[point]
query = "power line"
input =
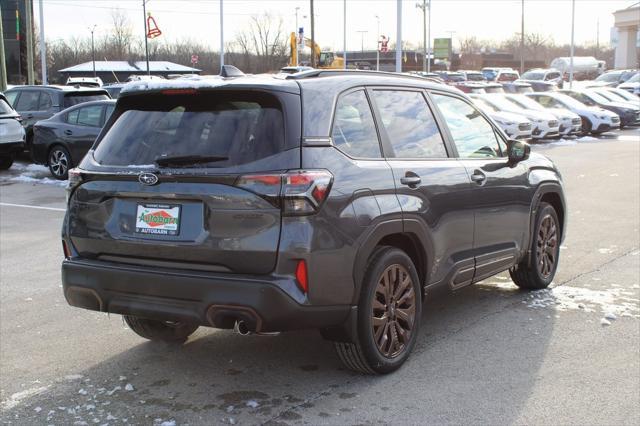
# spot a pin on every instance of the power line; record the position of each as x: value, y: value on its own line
x: 186, y: 12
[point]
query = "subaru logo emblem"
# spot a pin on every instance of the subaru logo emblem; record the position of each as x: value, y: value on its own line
x: 147, y: 178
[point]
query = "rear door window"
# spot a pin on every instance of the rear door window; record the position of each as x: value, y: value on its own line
x: 409, y: 123
x: 45, y: 102
x: 354, y: 131
x: 472, y: 134
x: 90, y: 116
x: 28, y: 101
x: 235, y: 128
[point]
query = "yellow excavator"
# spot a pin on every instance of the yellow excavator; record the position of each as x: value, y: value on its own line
x: 324, y: 60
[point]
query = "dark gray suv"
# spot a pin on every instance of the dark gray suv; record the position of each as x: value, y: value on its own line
x: 331, y: 200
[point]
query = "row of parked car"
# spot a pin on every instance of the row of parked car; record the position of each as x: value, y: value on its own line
x: 58, y: 124
x: 536, y: 107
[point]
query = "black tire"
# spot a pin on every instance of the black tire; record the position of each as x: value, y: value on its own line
x: 5, y: 162
x: 59, y: 162
x: 586, y: 126
x: 364, y: 355
x: 538, y: 273
x: 165, y: 331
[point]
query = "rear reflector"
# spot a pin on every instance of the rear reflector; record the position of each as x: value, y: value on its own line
x: 301, y: 276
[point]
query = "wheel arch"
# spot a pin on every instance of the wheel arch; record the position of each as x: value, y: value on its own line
x: 551, y: 193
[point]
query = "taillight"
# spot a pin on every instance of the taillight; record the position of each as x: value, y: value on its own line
x: 304, y: 191
x: 297, y: 192
x: 65, y: 250
x: 301, y: 276
x: 75, y: 179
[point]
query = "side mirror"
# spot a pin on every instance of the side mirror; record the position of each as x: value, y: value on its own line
x: 518, y: 151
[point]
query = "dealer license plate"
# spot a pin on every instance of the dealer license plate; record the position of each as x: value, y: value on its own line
x: 158, y: 219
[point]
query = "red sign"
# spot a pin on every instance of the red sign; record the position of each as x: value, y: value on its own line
x: 194, y: 59
x: 384, y: 44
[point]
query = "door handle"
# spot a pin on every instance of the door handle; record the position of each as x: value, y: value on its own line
x: 478, y: 177
x: 411, y: 181
x: 68, y: 132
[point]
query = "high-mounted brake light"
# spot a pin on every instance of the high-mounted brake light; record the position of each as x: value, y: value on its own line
x: 301, y: 276
x: 298, y: 192
x: 179, y: 92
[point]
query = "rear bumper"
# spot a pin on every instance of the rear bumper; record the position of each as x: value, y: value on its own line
x: 11, y: 148
x: 207, y: 299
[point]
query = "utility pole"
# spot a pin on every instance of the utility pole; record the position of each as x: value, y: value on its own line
x: 424, y: 7
x: 146, y: 43
x: 93, y: 49
x: 296, y: 33
x: 597, y: 37
x: 3, y: 65
x: 399, y: 36
x: 378, y: 45
x: 313, y: 37
x: 429, y: 40
x: 344, y: 34
x: 362, y: 33
x: 522, y: 40
x: 29, y: 39
x: 573, y: 18
x: 221, y: 35
x: 43, y: 46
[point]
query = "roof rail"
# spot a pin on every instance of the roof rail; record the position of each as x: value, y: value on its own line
x: 329, y: 72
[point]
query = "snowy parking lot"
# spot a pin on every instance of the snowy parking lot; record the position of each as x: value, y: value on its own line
x: 488, y: 354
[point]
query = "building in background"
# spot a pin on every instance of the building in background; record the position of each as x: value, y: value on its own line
x: 624, y: 36
x: 114, y: 71
x: 14, y: 37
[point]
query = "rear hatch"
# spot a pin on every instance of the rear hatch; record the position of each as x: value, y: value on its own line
x: 217, y: 157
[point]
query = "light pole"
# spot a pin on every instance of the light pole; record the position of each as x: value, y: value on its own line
x: 522, y: 40
x: 296, y: 33
x: 93, y: 49
x: 573, y: 17
x: 146, y: 44
x: 344, y: 34
x: 378, y: 45
x: 362, y: 33
x: 43, y: 48
x: 424, y: 8
x: 429, y: 40
x: 398, y: 35
x: 221, y: 35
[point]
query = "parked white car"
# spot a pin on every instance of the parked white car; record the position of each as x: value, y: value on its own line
x: 632, y: 85
x: 595, y: 120
x: 570, y: 123
x: 516, y: 126
x: 545, y: 125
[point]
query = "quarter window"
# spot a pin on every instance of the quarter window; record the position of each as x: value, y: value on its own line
x: 45, y: 102
x: 354, y: 131
x: 11, y: 97
x: 472, y: 134
x: 410, y: 125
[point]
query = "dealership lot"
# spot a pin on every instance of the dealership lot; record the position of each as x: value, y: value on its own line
x: 487, y: 354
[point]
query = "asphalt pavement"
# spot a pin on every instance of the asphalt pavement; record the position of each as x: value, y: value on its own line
x: 487, y: 354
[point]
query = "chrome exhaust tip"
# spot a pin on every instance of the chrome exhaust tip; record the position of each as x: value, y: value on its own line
x: 241, y: 328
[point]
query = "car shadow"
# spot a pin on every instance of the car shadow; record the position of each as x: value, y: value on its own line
x: 479, y: 344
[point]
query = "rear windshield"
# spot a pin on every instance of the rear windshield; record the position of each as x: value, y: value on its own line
x: 72, y: 99
x: 236, y: 128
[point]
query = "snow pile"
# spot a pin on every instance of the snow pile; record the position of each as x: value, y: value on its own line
x: 34, y: 173
x: 613, y: 302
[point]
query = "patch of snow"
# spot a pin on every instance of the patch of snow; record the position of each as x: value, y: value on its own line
x: 563, y: 142
x: 17, y: 397
x: 615, y: 301
x: 252, y: 404
x: 72, y: 377
x: 112, y: 391
x: 82, y: 392
x: 230, y: 408
x: 128, y: 387
x: 610, y: 316
x: 37, y: 409
x: 122, y: 378
x: 614, y: 175
x: 47, y: 181
x: 604, y: 322
x: 28, y: 299
x: 168, y: 423
x: 587, y: 139
x: 111, y: 417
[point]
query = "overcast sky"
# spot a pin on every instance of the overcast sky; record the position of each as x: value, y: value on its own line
x: 199, y: 19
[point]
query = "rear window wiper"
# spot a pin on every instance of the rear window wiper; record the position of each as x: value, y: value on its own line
x: 187, y: 160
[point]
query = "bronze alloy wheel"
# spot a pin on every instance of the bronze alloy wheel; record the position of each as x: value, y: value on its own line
x: 393, y: 311
x: 547, y: 246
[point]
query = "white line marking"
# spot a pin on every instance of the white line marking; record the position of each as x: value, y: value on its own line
x: 55, y: 209
x: 630, y: 138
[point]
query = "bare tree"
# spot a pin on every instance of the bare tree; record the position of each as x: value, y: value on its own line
x: 121, y: 33
x: 266, y: 39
